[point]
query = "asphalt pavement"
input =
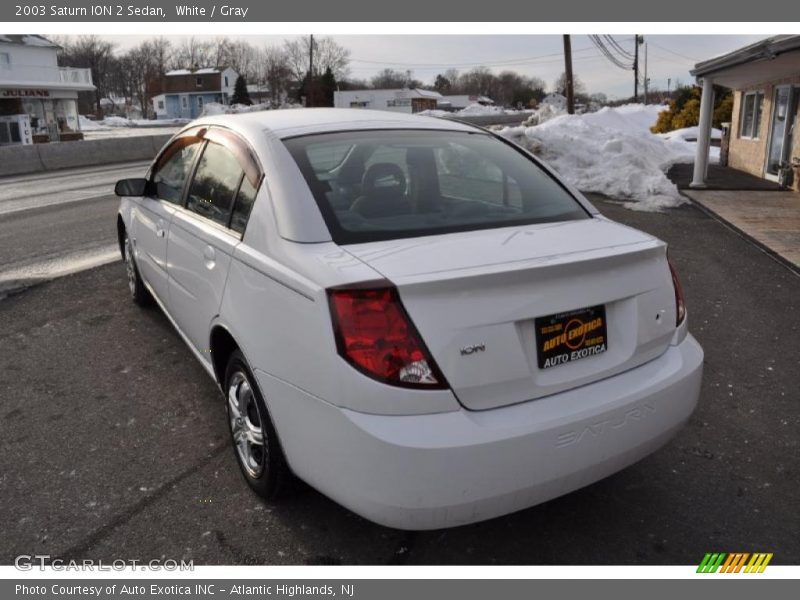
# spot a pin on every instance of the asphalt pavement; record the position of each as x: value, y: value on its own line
x: 58, y: 222
x: 114, y: 443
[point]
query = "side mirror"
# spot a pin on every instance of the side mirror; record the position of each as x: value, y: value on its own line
x: 136, y: 186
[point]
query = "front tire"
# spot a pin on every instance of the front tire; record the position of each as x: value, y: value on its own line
x: 255, y: 442
x: 139, y: 293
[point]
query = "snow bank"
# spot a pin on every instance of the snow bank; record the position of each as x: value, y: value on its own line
x: 690, y: 134
x: 89, y: 125
x: 215, y: 108
x: 479, y: 110
x: 120, y: 122
x: 473, y: 110
x: 116, y: 122
x: 611, y: 152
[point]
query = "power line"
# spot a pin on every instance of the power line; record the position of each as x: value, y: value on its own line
x: 512, y: 61
x: 695, y: 60
x: 482, y: 64
x: 618, y: 47
x: 607, y: 53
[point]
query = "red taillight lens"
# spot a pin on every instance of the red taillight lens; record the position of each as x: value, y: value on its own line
x: 374, y: 333
x: 680, y: 305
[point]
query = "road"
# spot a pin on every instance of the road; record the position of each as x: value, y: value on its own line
x: 113, y: 442
x: 55, y: 223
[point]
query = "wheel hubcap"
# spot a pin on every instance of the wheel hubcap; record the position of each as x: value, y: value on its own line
x: 130, y: 268
x: 246, y: 425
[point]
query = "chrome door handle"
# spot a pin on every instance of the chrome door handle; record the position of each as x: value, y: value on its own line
x: 160, y: 230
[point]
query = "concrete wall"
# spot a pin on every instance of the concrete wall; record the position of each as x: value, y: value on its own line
x: 18, y: 160
x: 750, y: 155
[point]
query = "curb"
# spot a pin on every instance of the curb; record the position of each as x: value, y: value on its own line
x: 745, y: 236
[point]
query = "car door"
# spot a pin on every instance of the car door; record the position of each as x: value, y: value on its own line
x: 152, y: 216
x: 205, y: 232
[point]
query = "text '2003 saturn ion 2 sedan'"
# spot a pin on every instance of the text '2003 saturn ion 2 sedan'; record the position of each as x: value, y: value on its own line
x: 416, y: 317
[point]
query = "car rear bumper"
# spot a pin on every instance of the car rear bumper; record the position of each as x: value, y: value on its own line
x: 448, y: 469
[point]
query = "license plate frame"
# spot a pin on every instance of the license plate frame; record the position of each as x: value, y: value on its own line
x: 562, y: 338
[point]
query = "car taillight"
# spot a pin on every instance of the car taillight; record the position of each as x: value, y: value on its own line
x: 680, y: 305
x: 375, y: 335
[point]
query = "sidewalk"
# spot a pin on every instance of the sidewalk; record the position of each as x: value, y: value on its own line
x: 770, y: 218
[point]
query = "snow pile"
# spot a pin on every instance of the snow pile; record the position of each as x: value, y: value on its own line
x: 89, y: 125
x: 117, y: 122
x: 479, y: 110
x: 108, y: 126
x: 215, y: 108
x: 473, y: 110
x: 434, y: 113
x: 689, y: 134
x: 545, y: 112
x: 611, y: 152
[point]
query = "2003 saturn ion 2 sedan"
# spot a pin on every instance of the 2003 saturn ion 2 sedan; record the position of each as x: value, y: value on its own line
x: 413, y: 315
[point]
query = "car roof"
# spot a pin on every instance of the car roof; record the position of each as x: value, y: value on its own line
x: 285, y: 123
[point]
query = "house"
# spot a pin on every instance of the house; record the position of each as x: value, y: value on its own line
x: 38, y: 99
x: 462, y: 101
x: 259, y: 93
x: 765, y: 79
x: 120, y: 107
x: 182, y: 93
x: 405, y: 100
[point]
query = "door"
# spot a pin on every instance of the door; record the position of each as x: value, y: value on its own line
x: 204, y: 234
x: 152, y: 216
x: 784, y: 112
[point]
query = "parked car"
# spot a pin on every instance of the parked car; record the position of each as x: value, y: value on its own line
x: 415, y: 316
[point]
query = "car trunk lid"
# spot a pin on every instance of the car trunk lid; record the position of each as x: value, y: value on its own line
x: 475, y: 298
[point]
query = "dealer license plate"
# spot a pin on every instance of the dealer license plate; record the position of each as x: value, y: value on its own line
x: 569, y: 336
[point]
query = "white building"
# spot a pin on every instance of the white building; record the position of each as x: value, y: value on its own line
x: 38, y: 99
x: 462, y: 101
x: 405, y: 101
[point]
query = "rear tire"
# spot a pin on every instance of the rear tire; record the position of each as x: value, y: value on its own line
x: 255, y: 442
x: 139, y: 293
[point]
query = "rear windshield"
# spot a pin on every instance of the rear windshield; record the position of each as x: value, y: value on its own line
x: 388, y: 184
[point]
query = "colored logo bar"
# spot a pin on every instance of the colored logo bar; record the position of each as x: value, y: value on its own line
x: 736, y: 562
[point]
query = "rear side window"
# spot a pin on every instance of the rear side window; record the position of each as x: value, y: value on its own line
x: 215, y: 183
x: 379, y: 185
x: 244, y: 204
x: 173, y: 168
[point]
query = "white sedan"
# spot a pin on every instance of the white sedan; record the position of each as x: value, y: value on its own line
x: 415, y: 316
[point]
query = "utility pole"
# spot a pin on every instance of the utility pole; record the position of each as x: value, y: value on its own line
x: 568, y: 74
x: 645, y: 74
x: 310, y: 90
x: 636, y: 68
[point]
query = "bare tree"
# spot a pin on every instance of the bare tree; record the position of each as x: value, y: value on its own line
x: 560, y: 84
x: 192, y: 53
x: 327, y: 55
x: 242, y: 58
x: 389, y: 79
x: 89, y: 51
x: 276, y: 72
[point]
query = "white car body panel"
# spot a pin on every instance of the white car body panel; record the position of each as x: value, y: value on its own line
x: 502, y: 279
x: 198, y: 258
x: 505, y: 434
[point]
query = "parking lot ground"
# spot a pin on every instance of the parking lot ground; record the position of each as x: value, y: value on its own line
x: 771, y: 219
x: 114, y: 443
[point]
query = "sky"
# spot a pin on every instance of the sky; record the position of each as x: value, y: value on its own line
x: 669, y: 57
